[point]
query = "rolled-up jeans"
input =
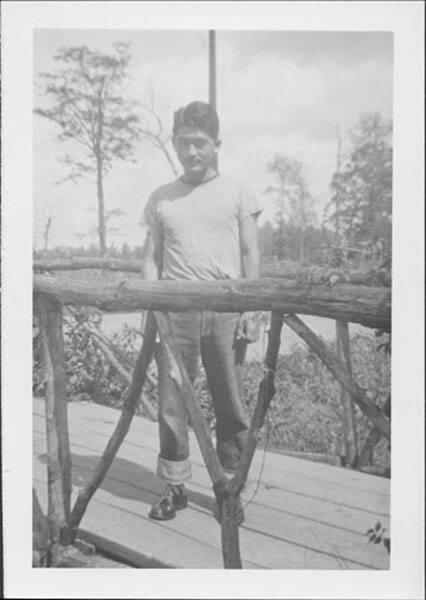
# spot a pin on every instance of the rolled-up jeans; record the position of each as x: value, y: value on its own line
x: 211, y: 336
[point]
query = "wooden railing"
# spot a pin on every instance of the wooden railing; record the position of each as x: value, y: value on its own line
x: 374, y: 275
x: 313, y: 292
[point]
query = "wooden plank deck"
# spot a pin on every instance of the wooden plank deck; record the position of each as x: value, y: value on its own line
x: 305, y: 515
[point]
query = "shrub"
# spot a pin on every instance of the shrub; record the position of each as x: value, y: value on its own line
x: 305, y: 414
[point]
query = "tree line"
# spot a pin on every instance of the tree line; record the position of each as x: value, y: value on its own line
x: 357, y: 221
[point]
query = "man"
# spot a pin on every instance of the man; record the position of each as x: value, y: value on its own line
x: 202, y: 227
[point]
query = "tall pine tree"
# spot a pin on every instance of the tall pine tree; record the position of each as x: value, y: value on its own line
x: 362, y: 189
x: 98, y: 124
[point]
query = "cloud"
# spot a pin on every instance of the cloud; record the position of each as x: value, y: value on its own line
x: 310, y: 47
x: 277, y: 96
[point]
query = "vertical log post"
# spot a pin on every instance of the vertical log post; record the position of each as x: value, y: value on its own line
x: 349, y: 427
x: 212, y: 80
x: 264, y: 397
x: 128, y: 410
x: 231, y: 502
x: 58, y: 451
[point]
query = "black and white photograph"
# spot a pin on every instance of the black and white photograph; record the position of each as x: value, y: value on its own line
x: 214, y: 338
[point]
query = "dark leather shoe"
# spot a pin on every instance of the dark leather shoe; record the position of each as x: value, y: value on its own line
x: 173, y: 499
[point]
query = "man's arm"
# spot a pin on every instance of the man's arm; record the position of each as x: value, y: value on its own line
x: 152, y: 255
x: 151, y: 265
x: 249, y: 246
x: 249, y: 325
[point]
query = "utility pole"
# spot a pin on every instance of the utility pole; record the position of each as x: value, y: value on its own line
x: 212, y: 75
x: 212, y: 68
x: 338, y: 164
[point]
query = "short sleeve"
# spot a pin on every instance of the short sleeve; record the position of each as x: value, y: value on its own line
x: 248, y: 203
x: 149, y: 216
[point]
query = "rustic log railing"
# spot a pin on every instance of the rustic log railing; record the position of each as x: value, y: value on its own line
x: 368, y: 306
x: 282, y: 296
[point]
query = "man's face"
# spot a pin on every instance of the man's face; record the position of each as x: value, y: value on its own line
x: 195, y: 150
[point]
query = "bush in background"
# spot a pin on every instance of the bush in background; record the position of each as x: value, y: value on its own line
x: 305, y: 414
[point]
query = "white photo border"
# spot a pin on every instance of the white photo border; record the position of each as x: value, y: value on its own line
x: 406, y: 21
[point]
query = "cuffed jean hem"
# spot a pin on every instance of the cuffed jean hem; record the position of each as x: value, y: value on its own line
x: 174, y: 471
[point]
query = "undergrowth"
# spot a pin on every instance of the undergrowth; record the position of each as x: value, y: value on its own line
x: 305, y: 414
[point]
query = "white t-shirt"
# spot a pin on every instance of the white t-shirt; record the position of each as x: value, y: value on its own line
x: 199, y: 227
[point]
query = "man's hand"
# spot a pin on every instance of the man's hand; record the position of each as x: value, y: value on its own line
x: 248, y: 328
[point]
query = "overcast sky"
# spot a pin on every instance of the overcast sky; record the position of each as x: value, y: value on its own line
x: 276, y: 92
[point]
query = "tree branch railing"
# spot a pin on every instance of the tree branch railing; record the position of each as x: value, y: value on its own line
x: 368, y: 306
x: 128, y: 410
x: 360, y: 396
x: 284, y: 297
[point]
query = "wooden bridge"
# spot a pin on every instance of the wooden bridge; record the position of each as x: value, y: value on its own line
x: 305, y: 515
x: 302, y: 515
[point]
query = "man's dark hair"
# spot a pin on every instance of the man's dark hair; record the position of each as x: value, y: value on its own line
x: 197, y: 114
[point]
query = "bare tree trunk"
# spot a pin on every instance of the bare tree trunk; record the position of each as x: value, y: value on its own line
x: 349, y: 427
x: 281, y: 253
x: 100, y: 177
x: 101, y: 206
x: 302, y: 246
x: 47, y: 231
x: 303, y: 225
x: 58, y: 450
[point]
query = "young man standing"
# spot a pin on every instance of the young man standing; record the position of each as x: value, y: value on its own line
x: 201, y: 227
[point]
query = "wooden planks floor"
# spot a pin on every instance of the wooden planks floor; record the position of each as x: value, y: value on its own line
x: 304, y: 515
